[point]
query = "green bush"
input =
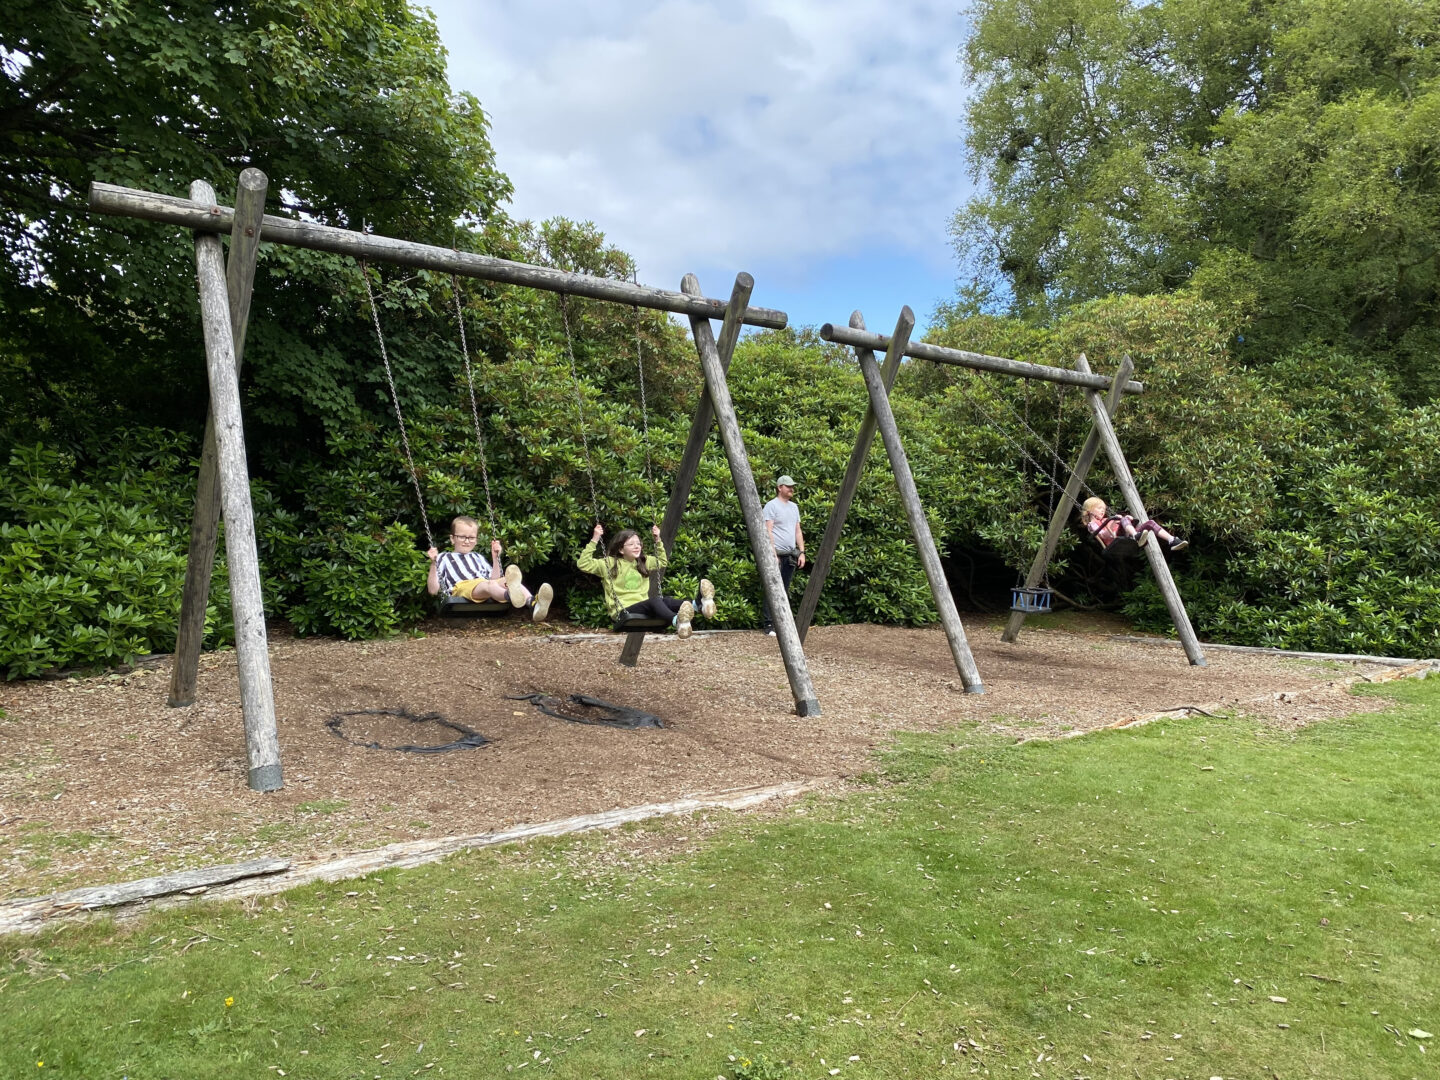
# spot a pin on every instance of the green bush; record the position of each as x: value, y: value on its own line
x: 91, y: 573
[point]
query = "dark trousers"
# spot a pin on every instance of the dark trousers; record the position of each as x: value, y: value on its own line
x: 656, y: 607
x: 787, y: 571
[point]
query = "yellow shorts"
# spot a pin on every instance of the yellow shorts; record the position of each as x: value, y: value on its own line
x: 467, y: 590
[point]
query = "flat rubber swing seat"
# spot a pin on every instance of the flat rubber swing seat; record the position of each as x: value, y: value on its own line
x: 627, y: 621
x: 457, y: 607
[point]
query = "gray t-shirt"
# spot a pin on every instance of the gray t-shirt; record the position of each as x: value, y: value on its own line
x: 785, y: 515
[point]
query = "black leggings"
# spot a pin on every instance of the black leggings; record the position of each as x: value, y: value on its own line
x: 656, y: 607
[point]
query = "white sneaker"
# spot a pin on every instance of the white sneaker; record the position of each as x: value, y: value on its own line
x: 707, y: 598
x: 769, y: 633
x: 513, y: 586
x: 683, y: 618
x: 540, y: 609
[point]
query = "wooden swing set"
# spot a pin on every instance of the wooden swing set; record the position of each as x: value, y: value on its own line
x: 1031, y: 597
x: 225, y: 288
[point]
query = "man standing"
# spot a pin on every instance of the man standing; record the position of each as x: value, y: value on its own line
x: 782, y: 525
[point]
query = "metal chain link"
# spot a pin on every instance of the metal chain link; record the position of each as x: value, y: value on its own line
x: 474, y: 407
x: 579, y: 406
x: 395, y: 398
x: 644, y: 409
x: 1052, y: 452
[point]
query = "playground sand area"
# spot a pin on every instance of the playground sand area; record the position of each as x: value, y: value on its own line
x: 101, y: 782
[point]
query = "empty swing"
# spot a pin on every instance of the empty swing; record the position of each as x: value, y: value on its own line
x: 1033, y: 599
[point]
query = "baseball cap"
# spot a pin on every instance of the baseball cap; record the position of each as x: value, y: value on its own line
x: 785, y: 481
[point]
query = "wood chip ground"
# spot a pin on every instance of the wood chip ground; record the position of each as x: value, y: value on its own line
x: 101, y: 782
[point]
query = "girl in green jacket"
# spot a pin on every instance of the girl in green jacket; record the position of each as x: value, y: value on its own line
x: 625, y: 573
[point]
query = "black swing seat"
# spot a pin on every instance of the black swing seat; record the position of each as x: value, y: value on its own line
x: 628, y: 621
x: 457, y: 607
x: 1122, y: 547
x: 1033, y: 601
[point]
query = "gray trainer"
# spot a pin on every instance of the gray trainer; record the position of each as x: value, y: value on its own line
x: 683, y: 618
x: 540, y: 609
x: 707, y: 598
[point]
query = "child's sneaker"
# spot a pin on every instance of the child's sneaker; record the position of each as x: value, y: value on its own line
x: 513, y: 586
x: 707, y: 598
x: 1143, y: 538
x: 540, y: 606
x: 1179, y: 545
x: 683, y: 618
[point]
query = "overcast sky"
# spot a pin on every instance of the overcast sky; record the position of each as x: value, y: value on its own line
x: 815, y: 145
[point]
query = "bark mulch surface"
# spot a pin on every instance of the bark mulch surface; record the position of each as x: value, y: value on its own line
x: 101, y: 782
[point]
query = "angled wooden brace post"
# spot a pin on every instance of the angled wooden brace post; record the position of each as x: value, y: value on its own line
x: 1158, y: 566
x: 689, y: 466
x: 846, y: 495
x: 1072, y: 492
x: 257, y: 696
x: 919, y: 525
x: 796, y: 669
x: 204, y: 526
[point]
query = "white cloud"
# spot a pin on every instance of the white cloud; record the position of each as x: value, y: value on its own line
x: 780, y: 132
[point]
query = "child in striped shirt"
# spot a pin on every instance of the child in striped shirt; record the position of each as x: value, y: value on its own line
x: 465, y: 573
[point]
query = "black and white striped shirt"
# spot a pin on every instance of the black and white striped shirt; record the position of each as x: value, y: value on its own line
x: 452, y: 567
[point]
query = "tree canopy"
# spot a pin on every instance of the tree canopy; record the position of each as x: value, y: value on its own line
x: 1280, y: 157
x: 344, y: 103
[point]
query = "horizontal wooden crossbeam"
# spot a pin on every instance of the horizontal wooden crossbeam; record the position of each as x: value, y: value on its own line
x: 171, y: 210
x: 864, y: 339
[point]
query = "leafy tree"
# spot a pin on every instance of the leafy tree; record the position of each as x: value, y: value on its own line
x: 344, y: 103
x: 1279, y: 156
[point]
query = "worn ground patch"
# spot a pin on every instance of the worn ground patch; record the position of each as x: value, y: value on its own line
x: 101, y: 782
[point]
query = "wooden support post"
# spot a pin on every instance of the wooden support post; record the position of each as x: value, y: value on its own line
x: 801, y: 688
x: 630, y: 654
x: 1072, y: 492
x: 204, y: 525
x: 257, y: 697
x: 704, y: 416
x: 1158, y: 566
x: 694, y: 448
x: 846, y: 495
x: 915, y: 512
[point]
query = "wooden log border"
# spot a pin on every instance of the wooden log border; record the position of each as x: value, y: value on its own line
x: 268, y: 876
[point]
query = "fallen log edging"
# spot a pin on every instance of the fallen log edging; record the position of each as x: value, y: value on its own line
x: 1413, y: 669
x: 266, y: 876
x: 1261, y: 650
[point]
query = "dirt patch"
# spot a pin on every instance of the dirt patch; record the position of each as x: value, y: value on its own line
x: 101, y: 782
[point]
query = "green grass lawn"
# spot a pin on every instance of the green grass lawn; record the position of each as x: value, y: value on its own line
x: 1190, y: 899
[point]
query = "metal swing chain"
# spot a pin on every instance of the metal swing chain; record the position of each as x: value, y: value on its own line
x: 1054, y: 453
x: 644, y: 410
x: 986, y: 415
x: 579, y: 406
x: 474, y: 407
x: 395, y: 399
